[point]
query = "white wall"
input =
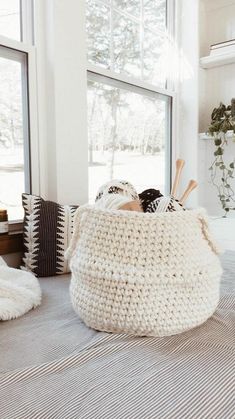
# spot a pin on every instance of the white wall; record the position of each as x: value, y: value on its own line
x: 219, y: 86
x: 221, y: 25
x: 188, y: 101
x: 61, y: 62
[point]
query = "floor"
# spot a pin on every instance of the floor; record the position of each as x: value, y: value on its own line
x: 224, y: 231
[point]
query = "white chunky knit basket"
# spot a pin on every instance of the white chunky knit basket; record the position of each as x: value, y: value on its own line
x: 144, y: 274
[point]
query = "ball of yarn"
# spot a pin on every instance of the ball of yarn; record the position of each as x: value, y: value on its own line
x: 120, y: 187
x: 148, y: 196
x: 112, y: 201
x: 165, y: 204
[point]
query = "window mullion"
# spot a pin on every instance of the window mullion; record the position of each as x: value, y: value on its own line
x: 129, y: 80
x: 126, y: 14
x: 170, y: 38
x: 27, y: 33
x: 25, y: 115
x: 125, y: 85
x: 111, y: 37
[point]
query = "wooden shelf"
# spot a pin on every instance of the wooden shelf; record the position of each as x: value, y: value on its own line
x: 217, y: 60
x: 11, y: 243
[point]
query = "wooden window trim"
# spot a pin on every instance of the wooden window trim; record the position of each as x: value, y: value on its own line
x: 15, y: 226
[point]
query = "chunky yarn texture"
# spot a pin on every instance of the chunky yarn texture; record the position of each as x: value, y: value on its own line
x: 144, y: 274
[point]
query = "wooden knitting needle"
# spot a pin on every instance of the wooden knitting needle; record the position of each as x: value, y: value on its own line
x: 191, y: 186
x: 179, y: 166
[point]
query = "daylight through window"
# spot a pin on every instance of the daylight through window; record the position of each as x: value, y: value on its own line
x: 17, y: 70
x: 14, y: 153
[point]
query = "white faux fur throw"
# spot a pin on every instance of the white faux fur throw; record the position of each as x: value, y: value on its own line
x: 19, y: 292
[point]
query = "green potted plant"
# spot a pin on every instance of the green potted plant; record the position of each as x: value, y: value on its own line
x: 222, y: 128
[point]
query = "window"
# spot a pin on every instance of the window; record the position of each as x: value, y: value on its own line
x: 10, y: 19
x: 14, y: 138
x: 16, y: 74
x: 129, y: 99
x: 127, y: 130
x: 129, y: 37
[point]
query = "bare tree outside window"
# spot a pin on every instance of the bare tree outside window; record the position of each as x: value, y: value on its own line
x: 129, y: 37
x: 127, y: 134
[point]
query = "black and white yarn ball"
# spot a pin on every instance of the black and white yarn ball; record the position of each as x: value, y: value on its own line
x: 165, y: 204
x: 120, y: 187
x: 148, y: 196
x: 152, y: 200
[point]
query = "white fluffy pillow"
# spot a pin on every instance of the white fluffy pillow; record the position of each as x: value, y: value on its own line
x: 19, y: 292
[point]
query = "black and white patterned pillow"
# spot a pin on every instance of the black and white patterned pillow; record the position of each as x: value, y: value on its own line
x: 47, y: 231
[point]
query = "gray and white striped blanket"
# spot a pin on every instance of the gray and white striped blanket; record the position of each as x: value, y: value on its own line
x: 54, y: 367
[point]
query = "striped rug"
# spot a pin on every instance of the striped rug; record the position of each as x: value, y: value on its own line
x: 53, y: 367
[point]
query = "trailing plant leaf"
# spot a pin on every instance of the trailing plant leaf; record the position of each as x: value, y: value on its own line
x: 223, y: 120
x: 219, y: 152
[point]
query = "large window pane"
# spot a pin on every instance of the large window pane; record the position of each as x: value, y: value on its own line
x: 128, y: 136
x: 154, y: 12
x: 98, y: 33
x: 14, y: 169
x: 129, y: 6
x: 10, y: 19
x: 126, y: 45
x: 155, y: 55
x: 129, y: 37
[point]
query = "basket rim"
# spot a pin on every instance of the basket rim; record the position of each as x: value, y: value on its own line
x: 91, y: 208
